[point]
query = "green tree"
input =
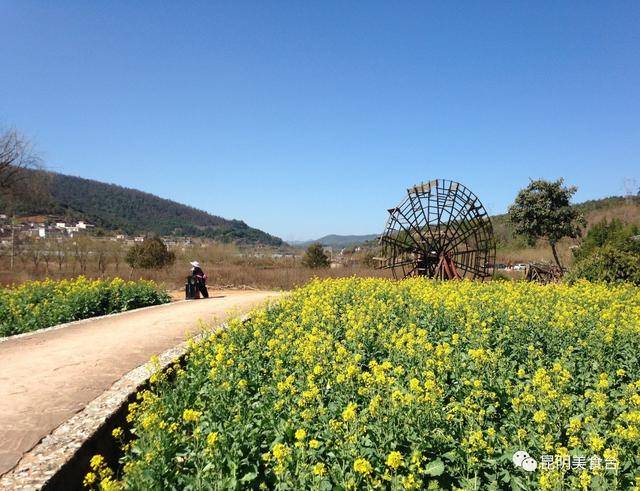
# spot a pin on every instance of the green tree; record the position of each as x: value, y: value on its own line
x: 543, y: 210
x: 152, y: 253
x: 315, y: 257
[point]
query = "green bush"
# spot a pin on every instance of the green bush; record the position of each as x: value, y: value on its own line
x: 39, y: 304
x: 615, y: 234
x: 610, y: 252
x: 607, y: 264
x: 315, y: 257
x: 150, y: 254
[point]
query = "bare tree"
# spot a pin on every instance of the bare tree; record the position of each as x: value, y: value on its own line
x: 48, y: 248
x: 61, y: 251
x: 36, y: 252
x: 81, y: 252
x: 116, y: 255
x: 23, y: 251
x: 103, y: 256
x: 16, y: 155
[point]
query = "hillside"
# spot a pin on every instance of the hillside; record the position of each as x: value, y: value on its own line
x: 511, y: 248
x: 116, y: 208
x: 626, y: 209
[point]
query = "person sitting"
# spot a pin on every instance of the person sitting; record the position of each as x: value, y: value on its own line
x: 200, y: 277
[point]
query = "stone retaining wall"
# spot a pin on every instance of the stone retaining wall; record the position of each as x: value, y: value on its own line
x: 61, y: 460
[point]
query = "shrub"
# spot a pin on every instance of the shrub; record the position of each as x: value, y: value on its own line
x: 610, y: 252
x: 615, y: 234
x: 315, y: 257
x: 369, y: 260
x: 607, y: 264
x: 150, y: 254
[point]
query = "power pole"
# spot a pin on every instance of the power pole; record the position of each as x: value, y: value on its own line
x: 13, y: 241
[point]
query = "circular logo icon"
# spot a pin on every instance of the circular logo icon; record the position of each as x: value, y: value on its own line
x: 519, y: 457
x: 529, y: 464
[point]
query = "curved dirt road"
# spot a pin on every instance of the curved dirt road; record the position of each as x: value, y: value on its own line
x: 47, y: 377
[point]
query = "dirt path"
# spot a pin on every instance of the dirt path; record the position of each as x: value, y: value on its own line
x: 47, y: 377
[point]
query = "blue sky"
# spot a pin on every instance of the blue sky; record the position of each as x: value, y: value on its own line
x: 308, y: 118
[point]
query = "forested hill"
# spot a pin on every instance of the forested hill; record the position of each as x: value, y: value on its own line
x: 117, y: 208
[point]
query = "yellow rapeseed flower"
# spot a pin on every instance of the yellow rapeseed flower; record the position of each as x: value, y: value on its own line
x: 362, y: 466
x: 540, y: 416
x: 89, y: 479
x: 394, y: 460
x: 212, y: 438
x: 191, y: 415
x: 350, y: 412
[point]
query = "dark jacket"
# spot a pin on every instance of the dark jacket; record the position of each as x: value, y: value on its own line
x: 199, y: 274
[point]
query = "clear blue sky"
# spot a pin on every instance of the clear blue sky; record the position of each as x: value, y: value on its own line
x: 308, y: 118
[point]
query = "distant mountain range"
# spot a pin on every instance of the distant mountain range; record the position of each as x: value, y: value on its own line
x: 116, y: 208
x: 338, y: 240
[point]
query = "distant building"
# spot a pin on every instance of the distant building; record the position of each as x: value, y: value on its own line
x: 81, y: 225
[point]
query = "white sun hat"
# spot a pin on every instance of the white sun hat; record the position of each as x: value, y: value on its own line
x: 195, y: 264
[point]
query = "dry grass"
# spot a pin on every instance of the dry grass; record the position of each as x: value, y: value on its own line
x: 627, y: 212
x: 541, y: 253
x: 224, y: 271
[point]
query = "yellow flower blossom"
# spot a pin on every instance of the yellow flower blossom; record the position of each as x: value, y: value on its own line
x: 540, y: 416
x: 394, y: 460
x: 362, y: 466
x: 350, y: 412
x: 191, y: 415
x: 89, y: 479
x: 212, y: 438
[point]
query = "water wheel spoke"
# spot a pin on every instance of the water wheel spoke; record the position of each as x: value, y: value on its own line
x: 440, y: 229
